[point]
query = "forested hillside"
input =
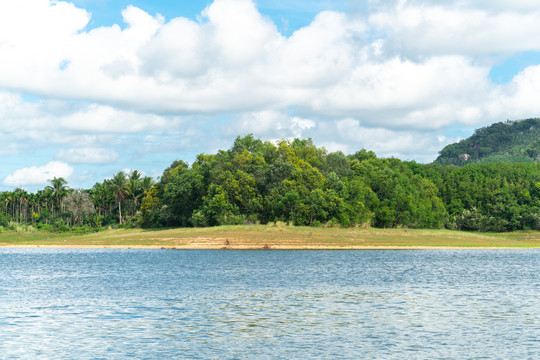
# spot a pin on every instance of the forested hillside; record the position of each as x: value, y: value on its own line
x: 294, y: 182
x: 511, y: 142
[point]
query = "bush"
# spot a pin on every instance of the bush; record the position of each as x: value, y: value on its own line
x: 4, y: 221
x: 46, y: 227
x: 198, y: 219
x: 316, y: 223
x: 130, y: 222
x: 230, y: 219
x: 60, y: 226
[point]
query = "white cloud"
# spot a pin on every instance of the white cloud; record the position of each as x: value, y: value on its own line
x: 338, y: 66
x: 392, y: 79
x: 88, y: 155
x: 407, y: 144
x: 393, y: 91
x: 180, y: 66
x: 486, y: 5
x: 39, y: 175
x: 408, y: 58
x: 518, y: 99
x: 97, y: 118
x: 238, y: 31
x: 347, y: 134
x: 270, y: 124
x: 57, y: 122
x: 420, y: 29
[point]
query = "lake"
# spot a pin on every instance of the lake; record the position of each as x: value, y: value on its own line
x: 268, y: 304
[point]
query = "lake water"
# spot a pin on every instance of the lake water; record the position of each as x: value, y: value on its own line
x: 211, y: 304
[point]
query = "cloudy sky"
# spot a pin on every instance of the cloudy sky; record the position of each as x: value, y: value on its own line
x: 92, y: 87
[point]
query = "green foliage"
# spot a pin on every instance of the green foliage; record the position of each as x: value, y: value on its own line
x: 120, y: 188
x: 297, y: 183
x: 79, y: 206
x: 149, y: 214
x: 4, y: 220
x: 293, y: 182
x: 510, y: 142
x: 181, y: 194
x: 491, y: 197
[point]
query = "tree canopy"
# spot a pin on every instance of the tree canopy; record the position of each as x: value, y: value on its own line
x: 509, y: 142
x: 296, y: 182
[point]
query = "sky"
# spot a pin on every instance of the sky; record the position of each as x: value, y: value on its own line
x: 92, y: 87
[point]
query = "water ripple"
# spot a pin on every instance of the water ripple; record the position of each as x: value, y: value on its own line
x: 104, y: 304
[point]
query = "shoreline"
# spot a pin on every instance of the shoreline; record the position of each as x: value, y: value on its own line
x: 269, y: 247
x: 276, y: 238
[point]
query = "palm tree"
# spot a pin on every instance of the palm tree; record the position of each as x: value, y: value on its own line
x: 9, y: 204
x: 134, y: 185
x: 47, y: 196
x: 21, y: 201
x: 58, y: 188
x: 134, y: 177
x: 146, y: 184
x: 119, y: 187
x: 99, y: 194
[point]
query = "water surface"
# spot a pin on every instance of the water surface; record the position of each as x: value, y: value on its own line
x: 237, y: 304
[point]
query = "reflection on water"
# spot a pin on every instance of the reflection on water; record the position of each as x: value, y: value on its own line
x: 445, y: 304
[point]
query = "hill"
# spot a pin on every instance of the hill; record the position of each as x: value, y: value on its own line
x: 510, y: 141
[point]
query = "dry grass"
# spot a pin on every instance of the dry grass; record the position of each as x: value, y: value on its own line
x: 276, y: 237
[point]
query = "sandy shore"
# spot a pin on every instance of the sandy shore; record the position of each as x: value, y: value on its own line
x: 274, y: 247
x: 270, y: 237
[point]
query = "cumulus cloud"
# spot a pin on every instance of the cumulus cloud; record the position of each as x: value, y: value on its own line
x: 410, y: 58
x: 408, y: 144
x: 486, y: 5
x: 347, y: 134
x: 235, y: 59
x: 60, y: 122
x: 270, y: 124
x: 39, y: 175
x: 416, y: 29
x: 97, y: 118
x: 184, y: 66
x: 88, y: 155
x: 393, y: 78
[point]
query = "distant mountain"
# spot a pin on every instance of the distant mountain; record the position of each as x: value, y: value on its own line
x: 510, y: 142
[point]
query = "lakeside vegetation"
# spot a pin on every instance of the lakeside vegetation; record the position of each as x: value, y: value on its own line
x: 295, y: 182
x: 273, y: 236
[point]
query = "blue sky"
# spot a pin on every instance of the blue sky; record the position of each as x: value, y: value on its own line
x: 510, y: 65
x: 92, y: 87
x: 287, y: 15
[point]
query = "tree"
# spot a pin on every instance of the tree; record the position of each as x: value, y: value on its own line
x: 58, y: 189
x: 150, y: 209
x: 182, y: 194
x: 134, y: 187
x: 79, y: 205
x: 119, y: 188
x: 99, y: 197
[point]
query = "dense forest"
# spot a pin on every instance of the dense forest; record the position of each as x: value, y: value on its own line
x: 294, y: 182
x: 510, y: 141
